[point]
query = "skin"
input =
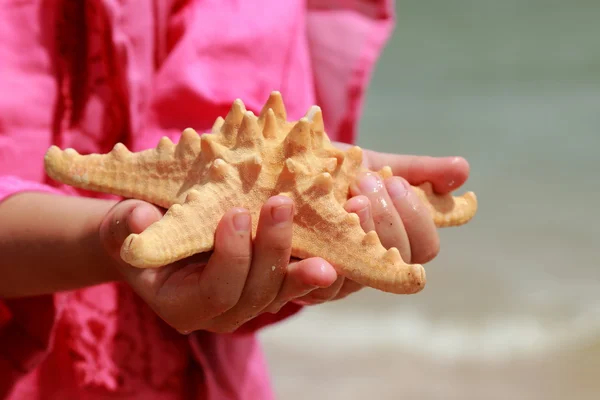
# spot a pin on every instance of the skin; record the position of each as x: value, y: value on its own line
x: 52, y: 243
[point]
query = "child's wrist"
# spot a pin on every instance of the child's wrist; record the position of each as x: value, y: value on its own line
x: 103, y: 264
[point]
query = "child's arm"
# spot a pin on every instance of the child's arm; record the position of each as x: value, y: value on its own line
x: 50, y: 243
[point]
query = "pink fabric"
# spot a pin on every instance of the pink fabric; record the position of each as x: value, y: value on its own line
x: 88, y: 76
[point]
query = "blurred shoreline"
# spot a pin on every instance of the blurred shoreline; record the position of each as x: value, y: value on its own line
x: 390, y: 375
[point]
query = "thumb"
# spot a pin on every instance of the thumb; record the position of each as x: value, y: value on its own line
x: 125, y: 218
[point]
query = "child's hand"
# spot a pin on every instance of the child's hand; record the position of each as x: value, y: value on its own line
x: 394, y: 211
x: 238, y: 281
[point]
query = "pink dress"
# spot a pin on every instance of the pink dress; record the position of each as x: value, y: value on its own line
x: 132, y: 71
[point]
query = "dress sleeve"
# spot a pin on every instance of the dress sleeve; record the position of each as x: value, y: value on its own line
x: 345, y: 39
x: 27, y: 102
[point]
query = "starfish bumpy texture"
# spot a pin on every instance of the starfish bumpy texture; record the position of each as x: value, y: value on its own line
x: 244, y: 161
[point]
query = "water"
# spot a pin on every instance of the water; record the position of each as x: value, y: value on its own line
x: 512, y: 304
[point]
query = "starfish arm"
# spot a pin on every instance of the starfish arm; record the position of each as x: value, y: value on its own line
x: 446, y: 210
x: 337, y: 236
x: 245, y: 160
x: 155, y: 175
x: 186, y: 229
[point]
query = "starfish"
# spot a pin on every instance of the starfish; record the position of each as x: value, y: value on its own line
x: 243, y: 161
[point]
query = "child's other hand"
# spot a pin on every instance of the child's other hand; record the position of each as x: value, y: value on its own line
x: 394, y: 211
x: 219, y: 292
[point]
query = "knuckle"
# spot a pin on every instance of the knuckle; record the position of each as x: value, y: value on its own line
x: 281, y: 244
x: 323, y: 295
x: 258, y: 300
x: 277, y: 239
x: 219, y: 303
x: 382, y: 214
x: 319, y: 296
x: 415, y: 210
x: 274, y: 308
x: 411, y: 215
x: 238, y: 258
x: 215, y: 301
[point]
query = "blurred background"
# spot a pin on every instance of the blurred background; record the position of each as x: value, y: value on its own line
x: 512, y: 304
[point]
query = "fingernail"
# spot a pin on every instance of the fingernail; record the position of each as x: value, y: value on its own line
x: 241, y: 221
x: 281, y: 213
x: 369, y: 183
x: 396, y: 188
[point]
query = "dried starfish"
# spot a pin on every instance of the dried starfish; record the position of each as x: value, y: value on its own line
x: 244, y: 161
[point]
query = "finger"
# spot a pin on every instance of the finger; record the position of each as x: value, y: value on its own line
x: 126, y: 217
x: 424, y: 239
x: 361, y: 206
x: 388, y: 224
x: 322, y: 295
x: 347, y: 289
x: 272, y: 249
x: 211, y: 288
x: 303, y: 277
x: 217, y: 287
x: 445, y: 173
